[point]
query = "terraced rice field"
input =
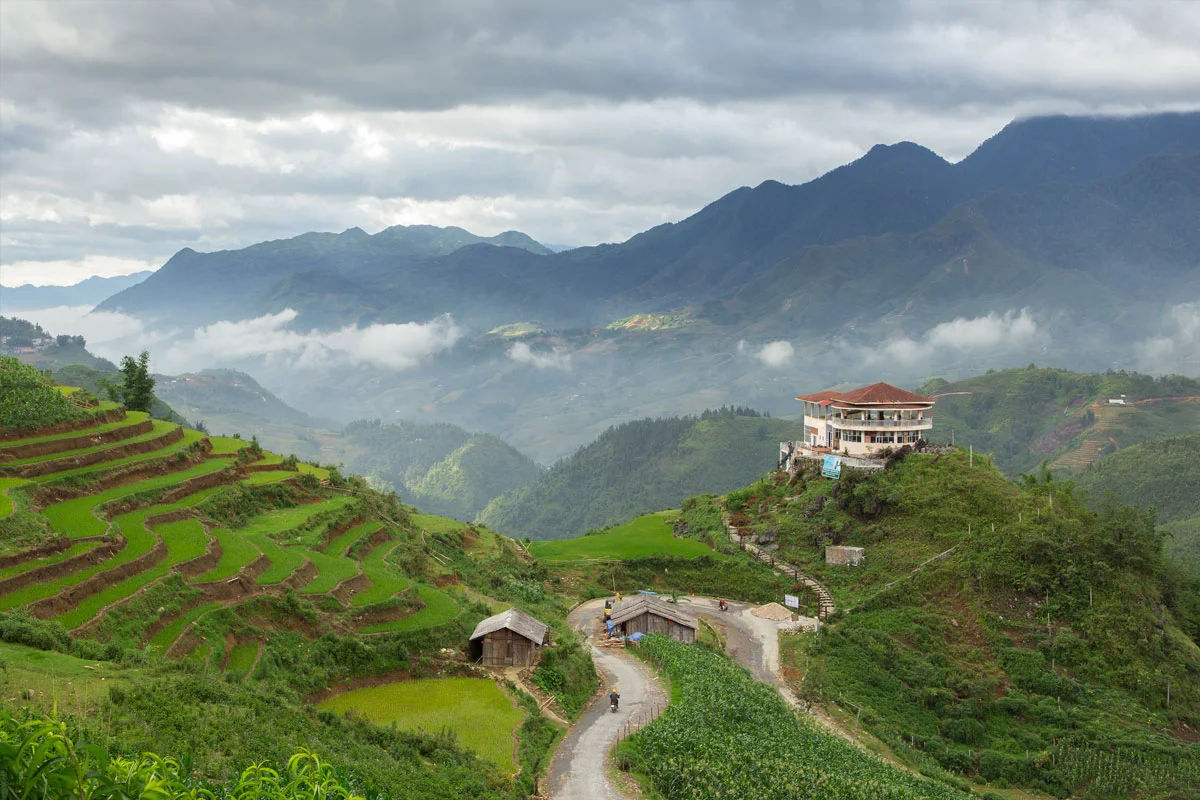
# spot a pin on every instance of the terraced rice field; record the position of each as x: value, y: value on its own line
x: 160, y: 427
x: 77, y: 518
x: 384, y: 582
x: 341, y: 543
x: 236, y: 552
x: 131, y: 418
x: 190, y: 437
x: 139, y: 541
x: 167, y: 636
x: 333, y: 571
x: 187, y: 539
x: 6, y: 502
x: 439, y: 608
x: 481, y: 715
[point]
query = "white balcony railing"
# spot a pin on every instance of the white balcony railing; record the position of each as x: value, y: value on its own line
x: 881, y: 424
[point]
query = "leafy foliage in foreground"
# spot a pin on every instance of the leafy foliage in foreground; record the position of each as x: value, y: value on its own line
x: 42, y: 757
x: 728, y: 735
x: 30, y: 400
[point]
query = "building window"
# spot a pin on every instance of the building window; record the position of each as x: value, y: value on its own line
x: 852, y: 436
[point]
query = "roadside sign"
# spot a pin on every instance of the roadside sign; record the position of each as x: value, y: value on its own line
x: 791, y: 601
x: 832, y: 467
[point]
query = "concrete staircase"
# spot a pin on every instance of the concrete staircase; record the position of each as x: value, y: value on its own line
x: 825, y: 604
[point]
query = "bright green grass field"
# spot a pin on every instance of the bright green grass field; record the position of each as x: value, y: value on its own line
x: 224, y: 445
x: 436, y: 524
x: 185, y: 540
x: 76, y: 519
x: 242, y: 656
x: 284, y: 560
x: 160, y: 427
x: 236, y: 552
x: 189, y: 437
x: 131, y: 418
x: 333, y: 570
x: 439, y: 608
x: 339, y: 545
x: 274, y: 476
x: 167, y: 636
x: 6, y: 502
x: 476, y: 709
x: 649, y: 535
x: 139, y: 541
x: 384, y: 583
x: 70, y: 552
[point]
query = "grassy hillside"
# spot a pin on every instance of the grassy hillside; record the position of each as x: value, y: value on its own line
x: 1163, y: 473
x: 137, y: 566
x: 1037, y: 651
x: 641, y: 466
x: 465, y: 481
x: 1026, y: 416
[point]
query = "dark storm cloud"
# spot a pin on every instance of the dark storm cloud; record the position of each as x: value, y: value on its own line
x: 253, y: 58
x: 130, y: 128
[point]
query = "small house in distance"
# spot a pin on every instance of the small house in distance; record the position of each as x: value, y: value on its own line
x: 645, y: 613
x: 508, y: 639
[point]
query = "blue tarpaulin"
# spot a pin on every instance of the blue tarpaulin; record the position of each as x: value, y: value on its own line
x: 637, y: 637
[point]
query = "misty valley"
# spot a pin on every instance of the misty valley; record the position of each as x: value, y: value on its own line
x: 883, y: 483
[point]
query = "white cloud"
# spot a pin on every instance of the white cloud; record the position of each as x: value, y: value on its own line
x: 395, y: 346
x: 776, y: 354
x: 522, y: 353
x: 68, y: 272
x: 1012, y: 330
x: 1177, y: 348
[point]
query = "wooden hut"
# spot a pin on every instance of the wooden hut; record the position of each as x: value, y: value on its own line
x: 509, y: 639
x: 646, y: 613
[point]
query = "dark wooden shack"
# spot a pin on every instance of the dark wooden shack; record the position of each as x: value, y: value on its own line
x: 509, y: 639
x: 646, y: 613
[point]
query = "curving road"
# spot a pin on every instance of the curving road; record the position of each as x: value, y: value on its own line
x: 580, y: 767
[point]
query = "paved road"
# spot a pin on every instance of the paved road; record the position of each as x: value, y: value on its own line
x: 580, y: 767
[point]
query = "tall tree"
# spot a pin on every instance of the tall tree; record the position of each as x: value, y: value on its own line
x: 137, y: 387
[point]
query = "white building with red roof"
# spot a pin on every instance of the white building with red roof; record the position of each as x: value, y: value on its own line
x: 863, y: 421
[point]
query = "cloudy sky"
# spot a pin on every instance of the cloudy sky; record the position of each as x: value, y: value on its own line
x: 132, y: 128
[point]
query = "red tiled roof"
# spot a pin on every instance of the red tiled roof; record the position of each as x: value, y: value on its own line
x: 875, y: 394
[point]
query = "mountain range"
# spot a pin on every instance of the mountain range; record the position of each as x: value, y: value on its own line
x: 1060, y: 239
x: 90, y: 292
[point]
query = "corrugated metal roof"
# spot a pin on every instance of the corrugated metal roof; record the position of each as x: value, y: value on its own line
x: 514, y: 620
x: 632, y: 607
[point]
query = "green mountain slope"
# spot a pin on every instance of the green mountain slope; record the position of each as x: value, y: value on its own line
x: 464, y: 482
x: 1026, y: 416
x: 641, y: 466
x: 1164, y: 473
x: 1038, y: 651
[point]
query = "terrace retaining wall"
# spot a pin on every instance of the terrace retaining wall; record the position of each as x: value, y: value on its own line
x: 71, y: 596
x: 18, y: 452
x: 100, y: 456
x: 41, y: 551
x: 67, y: 566
x: 90, y: 421
x: 123, y: 475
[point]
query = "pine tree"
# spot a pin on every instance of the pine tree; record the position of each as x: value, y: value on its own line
x: 137, y: 387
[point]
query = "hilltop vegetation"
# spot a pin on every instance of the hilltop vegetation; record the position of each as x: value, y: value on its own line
x: 1163, y: 473
x: 640, y: 466
x: 1026, y: 416
x: 31, y: 400
x: 462, y: 483
x: 1037, y: 652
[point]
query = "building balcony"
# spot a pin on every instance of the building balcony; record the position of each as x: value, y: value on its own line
x: 881, y: 424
